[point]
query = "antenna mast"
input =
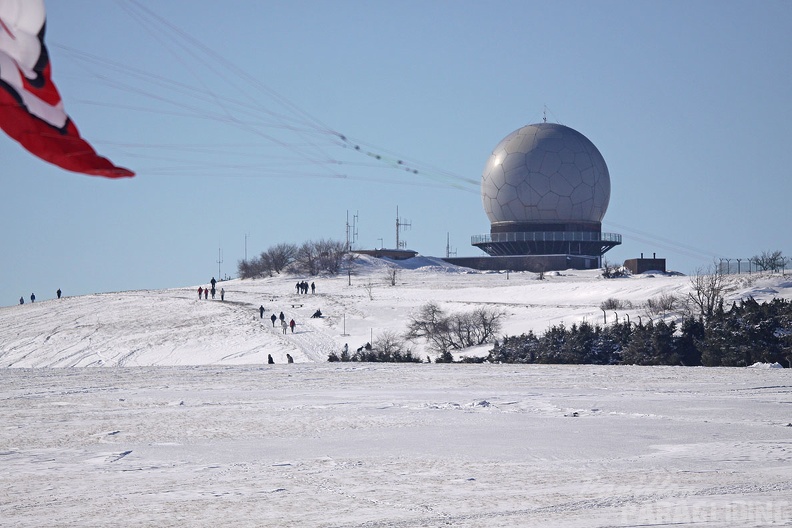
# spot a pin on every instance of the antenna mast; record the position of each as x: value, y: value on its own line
x: 351, y: 231
x: 400, y: 224
x: 348, y: 243
x: 449, y: 252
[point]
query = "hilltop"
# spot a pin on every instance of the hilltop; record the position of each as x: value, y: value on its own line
x: 174, y: 327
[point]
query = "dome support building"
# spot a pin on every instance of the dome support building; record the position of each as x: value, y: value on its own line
x: 545, y: 189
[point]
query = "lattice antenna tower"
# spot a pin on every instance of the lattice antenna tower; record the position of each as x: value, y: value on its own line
x: 450, y: 252
x: 400, y: 224
x: 351, y: 231
x: 355, y: 228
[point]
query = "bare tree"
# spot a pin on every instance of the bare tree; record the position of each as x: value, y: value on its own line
x: 245, y: 269
x: 488, y: 322
x: 330, y: 255
x: 769, y: 260
x: 273, y: 260
x: 392, y: 345
x: 430, y: 323
x: 661, y: 304
x: 251, y: 269
x: 706, y: 291
x: 305, y: 261
x: 615, y: 304
x: 277, y: 258
x: 369, y: 287
x: 314, y: 257
x: 457, y: 331
x: 391, y: 275
x: 474, y: 328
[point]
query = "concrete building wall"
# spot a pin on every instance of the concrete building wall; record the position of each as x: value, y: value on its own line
x: 534, y: 263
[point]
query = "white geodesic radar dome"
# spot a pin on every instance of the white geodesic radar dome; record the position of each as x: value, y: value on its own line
x: 545, y: 173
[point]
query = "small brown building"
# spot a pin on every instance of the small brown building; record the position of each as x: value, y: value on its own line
x: 642, y: 265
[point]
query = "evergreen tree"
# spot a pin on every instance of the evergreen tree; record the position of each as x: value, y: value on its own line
x: 638, y: 348
x: 663, y: 344
x: 687, y: 343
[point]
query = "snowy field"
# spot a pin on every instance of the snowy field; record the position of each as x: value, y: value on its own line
x: 343, y: 445
x: 185, y: 424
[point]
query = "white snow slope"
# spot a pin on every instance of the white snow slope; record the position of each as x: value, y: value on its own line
x: 173, y: 327
x: 197, y: 430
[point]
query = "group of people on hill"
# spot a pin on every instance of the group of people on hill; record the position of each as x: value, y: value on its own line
x: 33, y: 297
x: 284, y: 325
x: 302, y: 287
x: 205, y: 291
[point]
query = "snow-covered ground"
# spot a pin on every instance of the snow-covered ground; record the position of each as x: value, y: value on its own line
x: 191, y: 427
x: 342, y: 445
x: 173, y: 327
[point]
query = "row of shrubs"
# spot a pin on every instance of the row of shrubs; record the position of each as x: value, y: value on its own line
x: 748, y: 333
x: 389, y: 347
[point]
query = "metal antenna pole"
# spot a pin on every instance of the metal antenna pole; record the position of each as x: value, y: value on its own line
x: 397, y: 227
x: 449, y: 252
x: 355, y: 228
x: 400, y: 224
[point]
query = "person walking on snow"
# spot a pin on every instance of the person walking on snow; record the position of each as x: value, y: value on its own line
x: 273, y: 318
x: 261, y: 312
x: 222, y: 294
x: 200, y: 292
x: 291, y: 325
x: 284, y: 326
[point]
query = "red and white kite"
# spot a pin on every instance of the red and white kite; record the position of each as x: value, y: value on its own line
x: 31, y: 110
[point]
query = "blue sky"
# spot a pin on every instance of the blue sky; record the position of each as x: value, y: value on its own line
x: 230, y: 113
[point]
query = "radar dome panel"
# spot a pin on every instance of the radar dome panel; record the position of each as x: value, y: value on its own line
x: 545, y: 172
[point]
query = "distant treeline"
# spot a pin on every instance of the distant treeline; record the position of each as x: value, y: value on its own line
x: 310, y: 258
x: 748, y: 333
